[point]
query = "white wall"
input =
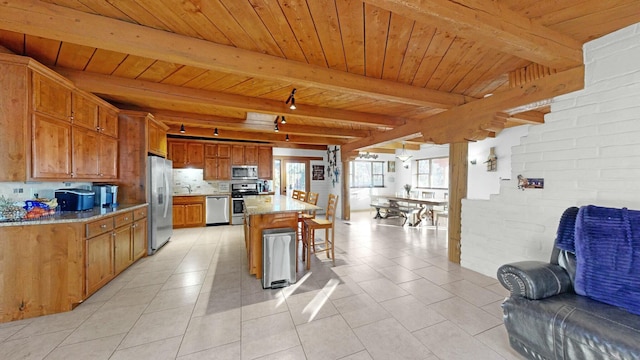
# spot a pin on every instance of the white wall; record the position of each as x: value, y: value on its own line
x: 588, y: 152
x: 481, y: 184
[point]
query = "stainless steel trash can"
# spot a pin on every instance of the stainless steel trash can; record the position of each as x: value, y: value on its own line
x: 278, y: 257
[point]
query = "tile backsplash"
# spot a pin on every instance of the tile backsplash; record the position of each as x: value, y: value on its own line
x: 20, y: 191
x: 183, y: 178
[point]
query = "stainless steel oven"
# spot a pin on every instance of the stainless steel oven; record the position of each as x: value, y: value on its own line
x: 238, y: 190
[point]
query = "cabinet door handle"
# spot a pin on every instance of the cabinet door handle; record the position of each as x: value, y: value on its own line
x: 125, y: 219
x: 104, y: 226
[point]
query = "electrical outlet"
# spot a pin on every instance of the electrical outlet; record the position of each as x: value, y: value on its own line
x: 67, y: 184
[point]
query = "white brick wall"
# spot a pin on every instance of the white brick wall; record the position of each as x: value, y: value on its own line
x: 588, y: 152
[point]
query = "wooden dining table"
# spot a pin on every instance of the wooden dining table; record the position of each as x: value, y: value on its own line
x: 401, y: 202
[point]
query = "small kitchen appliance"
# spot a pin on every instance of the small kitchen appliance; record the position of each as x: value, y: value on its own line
x: 75, y: 199
x: 244, y: 172
x: 106, y: 195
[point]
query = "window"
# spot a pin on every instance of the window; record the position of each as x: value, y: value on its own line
x: 433, y: 173
x: 366, y: 174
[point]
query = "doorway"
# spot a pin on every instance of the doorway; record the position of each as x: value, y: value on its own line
x: 291, y: 173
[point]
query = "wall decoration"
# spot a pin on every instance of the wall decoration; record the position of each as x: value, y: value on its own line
x: 530, y: 183
x: 492, y: 161
x: 391, y: 166
x: 332, y: 169
x: 318, y: 172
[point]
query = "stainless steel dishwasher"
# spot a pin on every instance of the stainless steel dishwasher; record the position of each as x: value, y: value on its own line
x: 217, y: 211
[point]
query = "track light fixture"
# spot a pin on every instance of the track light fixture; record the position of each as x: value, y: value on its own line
x: 287, y: 138
x: 215, y: 132
x: 283, y: 121
x: 275, y: 128
x: 292, y: 100
x: 182, y: 130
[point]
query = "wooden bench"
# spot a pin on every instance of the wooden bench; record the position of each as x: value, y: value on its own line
x: 396, y: 210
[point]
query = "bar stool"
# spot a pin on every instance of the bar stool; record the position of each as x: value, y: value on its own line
x: 312, y: 198
x: 311, y: 225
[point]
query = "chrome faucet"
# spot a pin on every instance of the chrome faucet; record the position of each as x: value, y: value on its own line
x: 188, y: 188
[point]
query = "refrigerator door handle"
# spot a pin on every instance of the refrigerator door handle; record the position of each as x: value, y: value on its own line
x: 165, y: 178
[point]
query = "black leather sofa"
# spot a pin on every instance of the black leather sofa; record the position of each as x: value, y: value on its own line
x: 546, y: 319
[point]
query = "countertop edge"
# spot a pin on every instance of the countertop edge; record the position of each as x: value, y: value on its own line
x: 76, y: 216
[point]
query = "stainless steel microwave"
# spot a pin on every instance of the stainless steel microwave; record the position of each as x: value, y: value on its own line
x: 244, y: 172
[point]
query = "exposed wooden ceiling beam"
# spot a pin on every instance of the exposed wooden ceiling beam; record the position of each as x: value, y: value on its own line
x: 267, y: 137
x: 171, y: 95
x: 209, y: 121
x: 527, y: 117
x: 493, y: 24
x: 476, y: 120
x: 378, y: 150
x: 64, y: 24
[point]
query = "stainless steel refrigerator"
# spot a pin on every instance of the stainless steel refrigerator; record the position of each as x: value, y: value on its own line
x: 160, y: 198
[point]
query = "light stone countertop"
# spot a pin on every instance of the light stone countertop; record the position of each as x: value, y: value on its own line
x: 75, y: 216
x: 201, y: 194
x: 272, y: 204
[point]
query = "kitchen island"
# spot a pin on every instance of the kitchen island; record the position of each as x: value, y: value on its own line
x: 268, y: 212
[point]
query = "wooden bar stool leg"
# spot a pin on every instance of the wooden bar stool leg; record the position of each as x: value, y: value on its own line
x: 308, y: 233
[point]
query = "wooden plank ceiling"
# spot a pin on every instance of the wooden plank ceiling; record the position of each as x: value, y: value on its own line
x: 367, y: 74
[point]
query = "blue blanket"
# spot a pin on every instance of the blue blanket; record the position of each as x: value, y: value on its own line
x: 607, y: 246
x: 565, y: 239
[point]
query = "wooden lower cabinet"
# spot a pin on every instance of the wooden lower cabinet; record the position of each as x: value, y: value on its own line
x: 100, y: 261
x: 51, y: 268
x: 128, y: 243
x: 38, y: 276
x: 254, y: 225
x: 139, y: 239
x: 188, y: 211
x: 123, y: 256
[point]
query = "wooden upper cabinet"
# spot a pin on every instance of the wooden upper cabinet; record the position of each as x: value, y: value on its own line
x: 217, y: 150
x: 217, y: 168
x: 94, y: 155
x: 250, y: 155
x: 237, y: 155
x: 217, y: 163
x: 50, y: 148
x: 186, y: 154
x: 51, y: 97
x: 107, y: 158
x: 85, y: 153
x: 156, y: 137
x: 224, y: 150
x: 265, y: 162
x: 210, y: 150
x: 84, y: 111
x: 195, y: 155
x: 108, y: 121
x: 178, y: 153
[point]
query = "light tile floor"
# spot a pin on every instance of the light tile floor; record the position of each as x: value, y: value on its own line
x: 391, y: 295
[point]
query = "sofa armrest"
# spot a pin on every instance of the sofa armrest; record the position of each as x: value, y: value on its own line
x: 534, y: 279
